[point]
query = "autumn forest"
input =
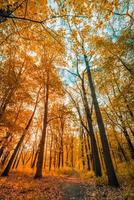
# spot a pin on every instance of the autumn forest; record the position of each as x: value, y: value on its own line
x: 66, y: 99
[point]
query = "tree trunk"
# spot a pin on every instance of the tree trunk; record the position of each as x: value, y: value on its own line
x: 5, y: 142
x: 72, y: 152
x: 120, y: 147
x: 82, y: 148
x: 35, y: 158
x: 112, y: 179
x: 11, y: 160
x: 130, y: 145
x: 96, y: 159
x: 50, y: 157
x: 87, y: 152
x: 38, y: 173
x: 8, y: 167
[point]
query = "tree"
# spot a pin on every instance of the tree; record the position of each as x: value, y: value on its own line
x: 8, y: 167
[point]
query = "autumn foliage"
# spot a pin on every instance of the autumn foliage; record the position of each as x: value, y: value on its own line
x: 66, y: 89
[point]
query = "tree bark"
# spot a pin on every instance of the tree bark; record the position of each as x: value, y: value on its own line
x: 112, y: 179
x: 39, y: 166
x: 96, y: 159
x: 11, y: 160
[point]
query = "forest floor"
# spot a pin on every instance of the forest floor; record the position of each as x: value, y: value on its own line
x: 20, y: 186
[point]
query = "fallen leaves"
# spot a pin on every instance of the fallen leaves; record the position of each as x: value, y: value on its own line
x: 23, y: 187
x: 18, y: 187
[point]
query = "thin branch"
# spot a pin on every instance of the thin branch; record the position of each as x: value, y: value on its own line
x: 72, y: 73
x: 26, y: 8
x: 41, y: 21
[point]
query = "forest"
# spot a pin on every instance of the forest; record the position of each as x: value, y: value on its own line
x: 66, y: 99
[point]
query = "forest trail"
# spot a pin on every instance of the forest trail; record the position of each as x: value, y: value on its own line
x: 73, y: 188
x: 18, y: 186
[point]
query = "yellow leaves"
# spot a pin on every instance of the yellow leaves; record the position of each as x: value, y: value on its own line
x: 107, y: 17
x: 85, y: 30
x: 96, y: 40
x: 4, y: 3
x: 76, y: 20
x: 80, y: 7
x: 74, y: 34
x: 99, y: 24
x: 92, y: 52
x: 116, y: 3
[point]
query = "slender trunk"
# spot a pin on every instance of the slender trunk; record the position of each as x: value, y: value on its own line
x: 39, y: 167
x: 82, y: 148
x: 34, y: 160
x: 58, y: 160
x: 112, y: 179
x: 124, y: 97
x: 32, y: 157
x: 18, y: 161
x: 61, y: 140
x: 130, y: 145
x: 62, y: 153
x: 72, y: 152
x: 45, y: 152
x: 55, y: 152
x: 120, y: 147
x: 2, y: 150
x: 50, y: 157
x: 9, y: 94
x: 113, y: 154
x: 8, y: 167
x: 5, y: 142
x: 87, y: 153
x: 67, y: 155
x: 100, y: 152
x: 96, y: 159
x: 16, y: 158
x: 90, y: 153
x: 11, y: 160
x: 27, y: 160
x: 5, y: 158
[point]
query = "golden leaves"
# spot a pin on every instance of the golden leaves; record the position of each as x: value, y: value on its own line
x: 74, y: 34
x: 85, y: 31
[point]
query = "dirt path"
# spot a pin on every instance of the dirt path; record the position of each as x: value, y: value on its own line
x: 73, y: 189
x: 18, y: 186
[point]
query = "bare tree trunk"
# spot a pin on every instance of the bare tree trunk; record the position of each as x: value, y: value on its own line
x: 87, y: 154
x: 5, y: 142
x: 96, y: 159
x: 16, y: 158
x: 72, y: 152
x: 50, y: 157
x: 90, y: 131
x: 82, y: 148
x: 120, y: 147
x: 130, y: 145
x: 67, y: 155
x: 55, y: 152
x: 39, y: 166
x: 18, y: 161
x: 5, y: 157
x: 62, y: 152
x: 11, y: 160
x: 112, y: 179
x: 34, y: 160
x: 100, y: 152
